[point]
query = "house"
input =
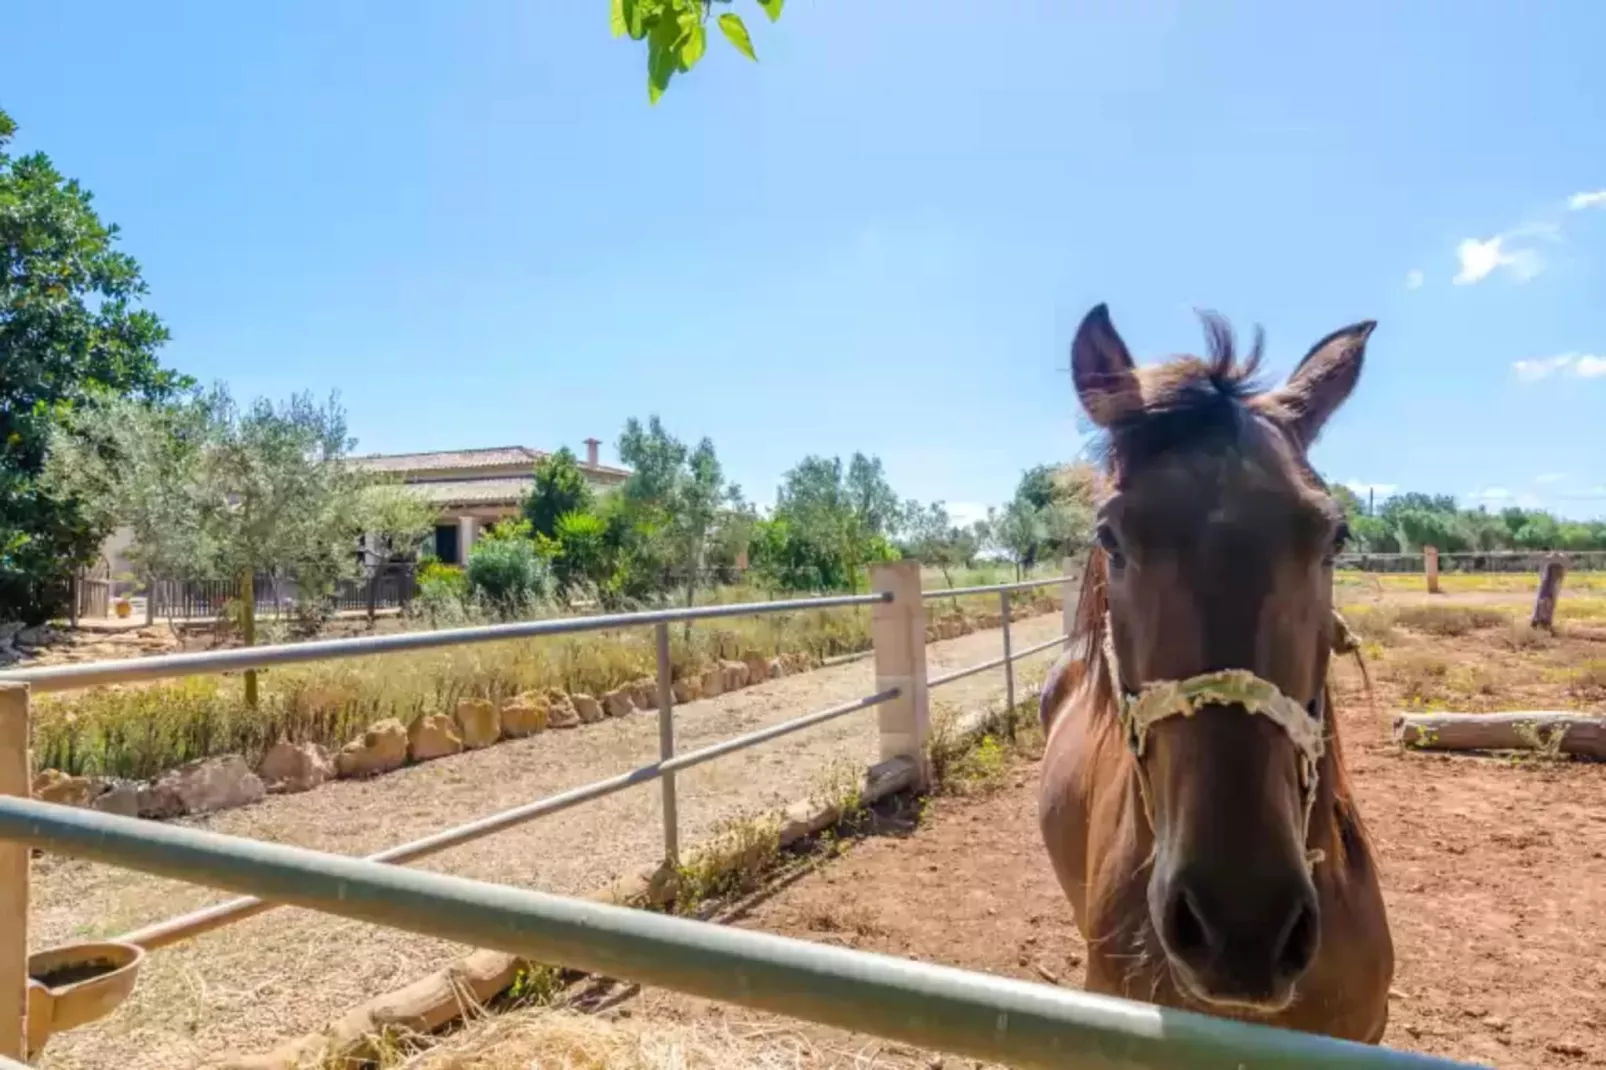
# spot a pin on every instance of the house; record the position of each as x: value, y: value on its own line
x: 479, y: 487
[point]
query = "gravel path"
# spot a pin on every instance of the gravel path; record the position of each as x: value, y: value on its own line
x: 288, y: 972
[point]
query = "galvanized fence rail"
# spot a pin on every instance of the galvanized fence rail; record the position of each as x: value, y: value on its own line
x: 985, y: 1017
x: 1022, y: 1024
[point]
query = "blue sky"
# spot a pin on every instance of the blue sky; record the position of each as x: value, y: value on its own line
x: 466, y: 219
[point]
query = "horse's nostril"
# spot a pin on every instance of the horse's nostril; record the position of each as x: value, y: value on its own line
x: 1299, y: 941
x: 1186, y: 931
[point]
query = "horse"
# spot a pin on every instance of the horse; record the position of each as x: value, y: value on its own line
x: 1193, y: 800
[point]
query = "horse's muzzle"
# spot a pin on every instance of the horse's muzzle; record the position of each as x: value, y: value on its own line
x: 1237, y: 943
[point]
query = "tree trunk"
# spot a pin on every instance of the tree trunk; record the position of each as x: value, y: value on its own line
x: 248, y: 631
x: 1549, y: 591
x: 1564, y: 733
x: 373, y: 595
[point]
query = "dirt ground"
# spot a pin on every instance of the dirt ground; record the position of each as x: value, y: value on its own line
x: 252, y: 985
x: 1494, y: 873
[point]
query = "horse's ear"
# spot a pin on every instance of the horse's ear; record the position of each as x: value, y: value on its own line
x: 1324, y: 379
x: 1102, y: 369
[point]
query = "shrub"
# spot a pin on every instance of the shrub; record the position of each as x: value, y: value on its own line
x: 506, y: 572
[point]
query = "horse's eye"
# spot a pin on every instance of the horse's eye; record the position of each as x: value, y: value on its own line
x: 1112, y: 546
x: 1340, y: 540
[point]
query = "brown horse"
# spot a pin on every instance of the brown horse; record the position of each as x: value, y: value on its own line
x: 1194, y: 801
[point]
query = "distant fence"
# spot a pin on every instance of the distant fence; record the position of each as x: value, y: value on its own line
x: 386, y: 587
x: 1475, y: 561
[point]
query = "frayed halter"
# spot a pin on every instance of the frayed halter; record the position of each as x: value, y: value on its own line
x: 1155, y: 701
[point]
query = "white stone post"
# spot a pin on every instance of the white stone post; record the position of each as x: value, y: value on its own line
x: 898, y: 630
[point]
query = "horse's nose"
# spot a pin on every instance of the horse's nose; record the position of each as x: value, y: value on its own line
x: 1240, y: 942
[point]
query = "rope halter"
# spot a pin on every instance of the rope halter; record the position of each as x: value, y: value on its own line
x: 1158, y: 700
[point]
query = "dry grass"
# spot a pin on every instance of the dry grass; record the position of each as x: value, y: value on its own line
x: 1449, y: 621
x: 138, y: 732
x: 1588, y: 681
x: 1471, y: 582
x: 567, y: 1040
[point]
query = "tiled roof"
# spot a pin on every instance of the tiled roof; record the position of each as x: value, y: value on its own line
x: 447, y: 492
x: 490, y: 457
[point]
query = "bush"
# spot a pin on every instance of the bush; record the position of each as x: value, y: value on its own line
x: 506, y: 572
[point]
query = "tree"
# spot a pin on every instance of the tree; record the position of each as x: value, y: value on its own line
x: 830, y: 521
x: 873, y: 502
x: 128, y: 461
x: 560, y: 488
x: 676, y: 33
x: 1347, y: 499
x: 677, y: 494
x: 396, y: 519
x: 1018, y: 529
x: 1050, y: 516
x: 70, y: 329
x: 276, y: 497
x: 932, y: 538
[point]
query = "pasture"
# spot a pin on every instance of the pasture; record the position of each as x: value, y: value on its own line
x: 1494, y: 869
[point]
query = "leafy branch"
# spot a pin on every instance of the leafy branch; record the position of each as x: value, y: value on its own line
x: 676, y: 33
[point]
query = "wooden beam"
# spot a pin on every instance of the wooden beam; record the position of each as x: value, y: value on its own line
x: 1565, y: 733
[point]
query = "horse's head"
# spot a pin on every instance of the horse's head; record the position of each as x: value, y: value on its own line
x: 1218, y: 542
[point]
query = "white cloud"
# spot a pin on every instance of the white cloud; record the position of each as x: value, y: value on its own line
x: 1414, y: 279
x: 1583, y: 365
x: 1531, y: 371
x: 1480, y: 259
x: 1493, y: 494
x: 1550, y: 477
x: 1594, y: 199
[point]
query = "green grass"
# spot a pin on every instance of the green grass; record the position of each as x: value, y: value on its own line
x: 141, y: 731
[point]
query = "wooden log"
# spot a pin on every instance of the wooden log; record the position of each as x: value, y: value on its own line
x: 1544, y: 730
x: 1549, y: 590
x: 1430, y: 564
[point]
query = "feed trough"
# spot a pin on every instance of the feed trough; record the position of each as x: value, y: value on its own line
x: 74, y: 984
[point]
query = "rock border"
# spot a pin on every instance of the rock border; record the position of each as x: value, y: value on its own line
x: 225, y: 781
x: 467, y: 984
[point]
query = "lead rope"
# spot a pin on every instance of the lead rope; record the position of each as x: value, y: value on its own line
x: 1160, y: 699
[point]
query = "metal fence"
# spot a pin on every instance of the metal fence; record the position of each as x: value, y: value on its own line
x: 383, y: 587
x: 1490, y: 561
x: 1015, y: 1022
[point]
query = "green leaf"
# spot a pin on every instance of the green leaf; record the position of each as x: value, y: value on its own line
x: 736, y: 33
x: 661, y: 63
x: 772, y: 8
x: 616, y: 18
x: 635, y: 14
x: 693, y: 46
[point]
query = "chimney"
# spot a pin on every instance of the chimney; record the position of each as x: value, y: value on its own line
x: 591, y: 451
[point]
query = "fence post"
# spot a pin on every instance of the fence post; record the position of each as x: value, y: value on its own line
x: 1009, y: 666
x: 666, y: 744
x: 1068, y: 597
x: 15, y: 779
x: 898, y: 630
x: 1430, y: 562
x: 1555, y: 570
